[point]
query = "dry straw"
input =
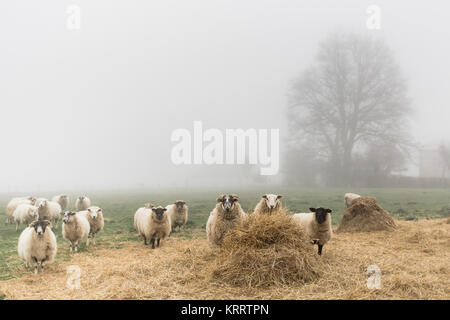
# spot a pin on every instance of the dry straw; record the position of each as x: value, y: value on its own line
x: 266, y: 250
x: 366, y: 215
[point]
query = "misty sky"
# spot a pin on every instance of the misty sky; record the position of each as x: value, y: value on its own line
x: 95, y: 107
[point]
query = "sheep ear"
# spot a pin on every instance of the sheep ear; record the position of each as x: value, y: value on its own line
x: 235, y: 197
x: 33, y: 224
x: 48, y: 223
x: 220, y: 198
x: 329, y: 210
x: 279, y: 196
x: 264, y: 196
x: 312, y: 209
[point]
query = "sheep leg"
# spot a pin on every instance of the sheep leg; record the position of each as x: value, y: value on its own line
x: 153, y: 243
x: 320, y: 249
x: 145, y: 240
x: 157, y: 242
x: 35, y: 266
x: 76, y: 246
x: 93, y: 239
x: 17, y: 226
x: 87, y: 241
x: 70, y: 247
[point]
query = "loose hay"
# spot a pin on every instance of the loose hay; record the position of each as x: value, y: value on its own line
x: 181, y: 268
x: 266, y: 250
x: 366, y: 215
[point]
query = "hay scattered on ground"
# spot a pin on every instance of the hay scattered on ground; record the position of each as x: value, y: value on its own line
x: 366, y: 215
x: 414, y: 264
x: 266, y: 250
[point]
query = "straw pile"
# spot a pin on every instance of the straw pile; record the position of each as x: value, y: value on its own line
x: 266, y: 250
x: 366, y: 215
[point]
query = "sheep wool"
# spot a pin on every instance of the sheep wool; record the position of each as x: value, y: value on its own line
x: 317, y: 225
x: 178, y: 214
x: 25, y: 214
x: 96, y: 222
x: 49, y: 210
x: 12, y: 205
x: 75, y: 229
x: 226, y: 216
x: 152, y: 224
x: 82, y: 203
x: 37, y: 244
x: 349, y: 197
x: 269, y: 203
x: 63, y: 201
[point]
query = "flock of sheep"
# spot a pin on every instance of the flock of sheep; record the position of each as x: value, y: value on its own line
x: 37, y: 243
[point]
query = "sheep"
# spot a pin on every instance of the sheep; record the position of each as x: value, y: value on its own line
x: 37, y: 244
x: 75, y: 229
x: 25, y: 214
x: 317, y: 225
x: 63, y: 201
x: 96, y: 222
x: 226, y: 215
x: 49, y: 210
x: 269, y: 203
x: 82, y: 203
x: 12, y: 205
x: 152, y: 224
x: 349, y: 197
x: 178, y: 214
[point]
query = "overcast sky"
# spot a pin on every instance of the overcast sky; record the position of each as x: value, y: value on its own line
x: 95, y: 107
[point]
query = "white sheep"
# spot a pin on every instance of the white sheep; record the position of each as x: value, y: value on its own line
x: 178, y: 214
x: 12, y: 205
x: 63, y: 201
x: 25, y: 214
x: 49, y: 210
x: 82, y: 203
x: 37, y: 244
x: 269, y: 203
x: 226, y: 215
x: 152, y: 224
x: 75, y: 229
x: 317, y: 225
x: 349, y: 197
x: 96, y: 222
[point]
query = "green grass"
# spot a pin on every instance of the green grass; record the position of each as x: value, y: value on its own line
x: 119, y: 209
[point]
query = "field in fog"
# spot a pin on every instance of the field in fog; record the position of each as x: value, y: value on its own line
x: 397, y: 252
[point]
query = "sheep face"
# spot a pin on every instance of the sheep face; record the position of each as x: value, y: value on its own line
x: 42, y: 204
x: 33, y: 212
x: 40, y: 226
x: 159, y: 212
x: 180, y: 205
x: 69, y: 216
x: 227, y: 201
x: 32, y: 200
x: 272, y: 200
x: 94, y: 212
x: 81, y: 198
x: 321, y: 214
x: 149, y: 206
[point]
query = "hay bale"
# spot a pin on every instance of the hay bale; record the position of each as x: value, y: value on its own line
x: 266, y: 250
x: 366, y: 215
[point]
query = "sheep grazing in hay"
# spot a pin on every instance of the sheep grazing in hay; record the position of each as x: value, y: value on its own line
x: 366, y: 215
x: 266, y: 250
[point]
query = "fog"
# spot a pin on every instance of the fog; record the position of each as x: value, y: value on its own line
x: 95, y: 107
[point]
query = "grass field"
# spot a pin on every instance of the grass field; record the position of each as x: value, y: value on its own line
x: 119, y: 208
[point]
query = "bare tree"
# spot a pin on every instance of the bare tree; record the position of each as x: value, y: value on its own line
x: 351, y: 98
